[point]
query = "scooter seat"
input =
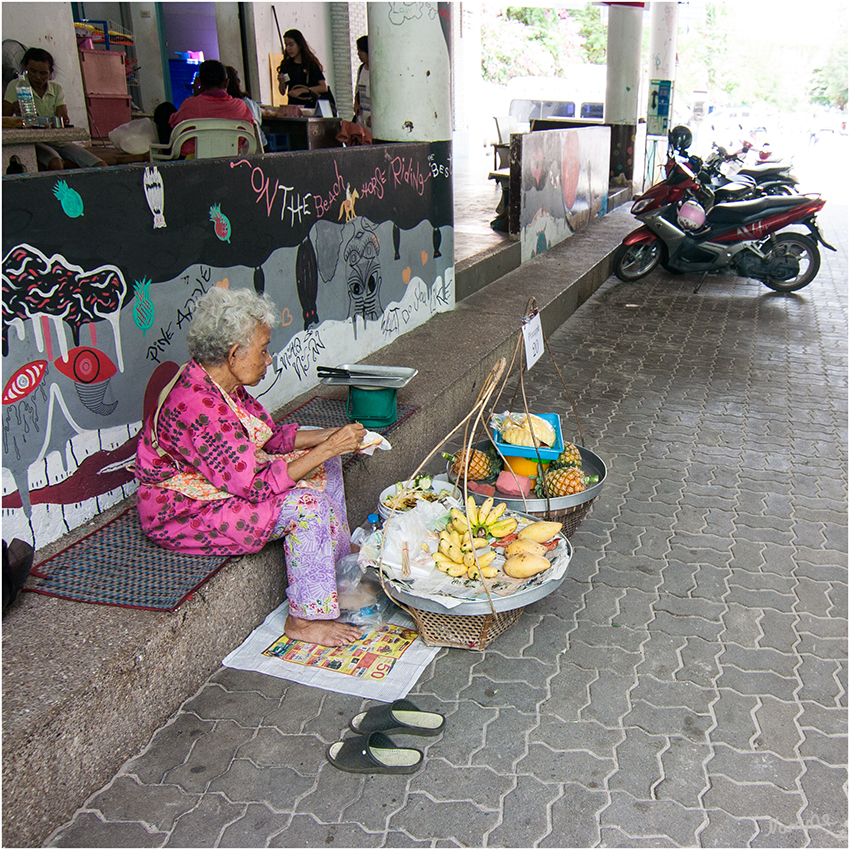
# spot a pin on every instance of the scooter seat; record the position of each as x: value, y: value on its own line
x: 739, y: 211
x: 764, y: 168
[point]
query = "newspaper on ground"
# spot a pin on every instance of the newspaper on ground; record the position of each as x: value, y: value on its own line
x: 384, y: 665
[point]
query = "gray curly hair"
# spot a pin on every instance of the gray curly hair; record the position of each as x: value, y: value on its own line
x: 224, y: 318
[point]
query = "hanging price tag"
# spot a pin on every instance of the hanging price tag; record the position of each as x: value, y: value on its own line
x: 532, y: 332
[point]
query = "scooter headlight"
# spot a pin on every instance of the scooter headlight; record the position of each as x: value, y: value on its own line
x: 640, y: 205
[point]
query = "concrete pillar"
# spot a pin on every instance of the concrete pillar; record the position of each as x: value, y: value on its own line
x: 663, y: 28
x: 229, y: 31
x: 622, y: 91
x: 410, y: 61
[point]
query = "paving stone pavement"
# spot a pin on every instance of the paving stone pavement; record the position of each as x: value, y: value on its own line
x: 685, y: 686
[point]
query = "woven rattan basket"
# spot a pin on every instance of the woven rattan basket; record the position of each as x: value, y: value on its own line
x: 475, y: 632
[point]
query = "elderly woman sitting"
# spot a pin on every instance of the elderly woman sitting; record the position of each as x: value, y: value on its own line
x: 217, y: 476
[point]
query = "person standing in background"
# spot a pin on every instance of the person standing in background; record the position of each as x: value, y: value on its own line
x: 300, y: 76
x: 362, y: 88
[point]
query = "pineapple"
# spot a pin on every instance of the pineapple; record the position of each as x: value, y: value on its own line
x: 561, y: 482
x: 570, y: 456
x: 480, y: 464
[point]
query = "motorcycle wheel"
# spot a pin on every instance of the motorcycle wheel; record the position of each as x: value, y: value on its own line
x: 632, y: 262
x: 807, y: 254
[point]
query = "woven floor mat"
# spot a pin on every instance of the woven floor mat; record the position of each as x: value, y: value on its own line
x: 323, y: 412
x: 118, y: 565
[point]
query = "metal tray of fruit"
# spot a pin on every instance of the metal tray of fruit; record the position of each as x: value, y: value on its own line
x: 473, y: 608
x: 591, y: 465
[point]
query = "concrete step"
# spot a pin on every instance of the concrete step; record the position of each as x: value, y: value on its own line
x: 85, y: 686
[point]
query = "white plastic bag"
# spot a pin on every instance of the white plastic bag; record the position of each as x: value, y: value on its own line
x: 135, y: 136
x: 362, y: 601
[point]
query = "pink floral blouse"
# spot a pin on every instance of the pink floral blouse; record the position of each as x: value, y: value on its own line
x: 202, y: 435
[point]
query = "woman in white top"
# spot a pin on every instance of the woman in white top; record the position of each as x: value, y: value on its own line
x: 362, y: 88
x: 49, y: 98
x: 234, y: 89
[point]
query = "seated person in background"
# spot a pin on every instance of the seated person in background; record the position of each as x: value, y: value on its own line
x: 234, y: 89
x: 362, y: 88
x: 37, y: 65
x: 218, y: 477
x: 213, y: 101
x: 300, y: 76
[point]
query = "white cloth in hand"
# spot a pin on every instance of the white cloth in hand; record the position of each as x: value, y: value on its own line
x: 373, y: 440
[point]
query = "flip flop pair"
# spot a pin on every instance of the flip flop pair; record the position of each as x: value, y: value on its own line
x: 371, y: 751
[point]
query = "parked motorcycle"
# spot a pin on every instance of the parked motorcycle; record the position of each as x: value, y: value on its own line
x: 741, y: 237
x: 772, y: 177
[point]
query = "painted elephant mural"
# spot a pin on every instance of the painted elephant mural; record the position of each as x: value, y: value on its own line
x: 100, y: 284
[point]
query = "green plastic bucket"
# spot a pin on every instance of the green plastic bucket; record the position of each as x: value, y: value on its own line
x: 372, y: 407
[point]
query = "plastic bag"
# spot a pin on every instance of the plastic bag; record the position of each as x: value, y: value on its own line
x: 135, y: 136
x: 362, y: 601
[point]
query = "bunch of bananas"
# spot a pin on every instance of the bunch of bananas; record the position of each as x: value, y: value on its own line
x: 486, y: 522
x: 455, y: 553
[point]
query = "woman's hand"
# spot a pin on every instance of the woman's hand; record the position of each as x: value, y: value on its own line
x: 299, y: 91
x: 346, y: 439
x: 323, y: 444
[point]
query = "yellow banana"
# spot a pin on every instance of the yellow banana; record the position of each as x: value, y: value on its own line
x: 479, y: 543
x: 469, y: 559
x: 471, y: 511
x: 442, y: 560
x: 459, y: 520
x: 455, y: 554
x: 540, y: 532
x: 488, y: 572
x: 503, y: 527
x: 486, y: 558
x: 484, y: 510
x: 494, y: 515
x: 447, y: 565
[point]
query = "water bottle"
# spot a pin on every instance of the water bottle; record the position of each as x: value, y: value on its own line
x: 26, y: 101
x: 368, y: 528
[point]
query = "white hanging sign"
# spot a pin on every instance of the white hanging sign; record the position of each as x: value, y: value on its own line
x: 532, y: 332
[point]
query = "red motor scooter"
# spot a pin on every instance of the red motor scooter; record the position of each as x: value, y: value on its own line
x: 740, y: 237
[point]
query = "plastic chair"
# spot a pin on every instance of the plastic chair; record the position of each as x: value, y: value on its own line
x: 213, y: 137
x: 505, y: 125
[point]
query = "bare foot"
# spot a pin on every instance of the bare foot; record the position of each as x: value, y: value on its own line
x: 321, y: 632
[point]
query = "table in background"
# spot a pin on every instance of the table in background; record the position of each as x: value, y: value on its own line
x: 21, y: 142
x: 301, y: 134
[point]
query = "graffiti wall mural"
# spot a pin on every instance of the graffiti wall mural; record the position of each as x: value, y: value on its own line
x: 564, y: 184
x: 102, y: 271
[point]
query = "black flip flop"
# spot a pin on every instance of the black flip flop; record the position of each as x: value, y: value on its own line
x: 401, y: 716
x: 374, y: 753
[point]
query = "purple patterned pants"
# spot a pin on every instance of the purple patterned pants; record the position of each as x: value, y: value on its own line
x: 314, y: 528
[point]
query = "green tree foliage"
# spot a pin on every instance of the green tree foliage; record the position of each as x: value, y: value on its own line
x: 529, y: 41
x: 829, y: 81
x: 594, y: 33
